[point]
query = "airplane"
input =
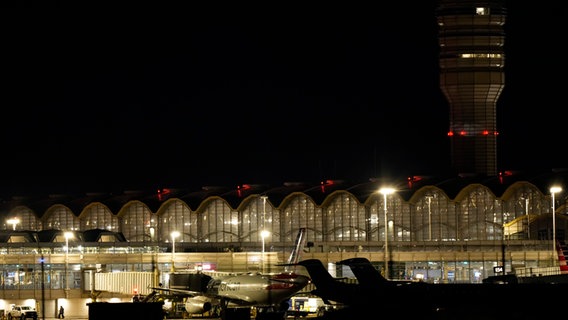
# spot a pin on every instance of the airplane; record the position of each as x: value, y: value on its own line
x: 234, y: 295
x: 373, y: 292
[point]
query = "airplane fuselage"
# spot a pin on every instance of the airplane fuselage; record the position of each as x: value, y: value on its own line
x: 269, y: 293
x: 257, y: 289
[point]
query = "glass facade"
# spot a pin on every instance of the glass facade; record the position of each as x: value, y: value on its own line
x: 430, y: 235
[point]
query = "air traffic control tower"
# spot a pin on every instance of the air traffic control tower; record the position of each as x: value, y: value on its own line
x: 472, y: 58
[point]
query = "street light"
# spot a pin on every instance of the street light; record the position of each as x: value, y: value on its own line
x: 528, y: 217
x: 14, y: 221
x: 386, y: 192
x: 264, y: 198
x: 263, y: 232
x: 554, y: 190
x: 263, y: 235
x: 429, y: 197
x: 174, y: 235
x: 68, y: 235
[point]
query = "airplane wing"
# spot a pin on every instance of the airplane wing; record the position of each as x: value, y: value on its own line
x: 232, y: 299
x: 182, y: 292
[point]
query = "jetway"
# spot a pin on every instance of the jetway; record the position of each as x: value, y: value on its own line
x: 125, y: 282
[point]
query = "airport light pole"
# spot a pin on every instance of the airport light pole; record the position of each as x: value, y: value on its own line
x: 263, y: 232
x: 554, y: 190
x: 386, y: 192
x: 174, y: 235
x: 263, y: 235
x: 528, y: 218
x: 68, y: 235
x: 429, y: 197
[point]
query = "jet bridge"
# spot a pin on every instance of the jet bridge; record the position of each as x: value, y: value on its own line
x: 129, y: 283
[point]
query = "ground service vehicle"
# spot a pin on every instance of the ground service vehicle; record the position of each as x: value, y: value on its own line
x: 302, y: 306
x: 22, y: 313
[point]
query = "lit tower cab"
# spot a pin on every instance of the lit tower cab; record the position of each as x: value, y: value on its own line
x: 472, y: 58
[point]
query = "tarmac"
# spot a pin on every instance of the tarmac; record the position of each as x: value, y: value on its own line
x: 87, y: 318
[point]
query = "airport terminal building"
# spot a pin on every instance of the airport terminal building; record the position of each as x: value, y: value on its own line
x: 446, y: 230
x: 462, y: 228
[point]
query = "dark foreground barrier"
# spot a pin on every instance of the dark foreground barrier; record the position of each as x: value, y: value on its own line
x: 125, y: 310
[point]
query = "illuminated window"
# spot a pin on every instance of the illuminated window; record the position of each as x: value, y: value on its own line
x: 481, y: 55
x: 17, y: 239
x: 481, y: 11
x: 107, y: 238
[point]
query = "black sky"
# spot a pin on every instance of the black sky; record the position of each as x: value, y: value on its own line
x: 179, y: 97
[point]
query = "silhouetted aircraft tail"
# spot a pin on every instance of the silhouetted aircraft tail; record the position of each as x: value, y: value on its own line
x: 365, y: 272
x: 318, y: 273
x: 329, y: 288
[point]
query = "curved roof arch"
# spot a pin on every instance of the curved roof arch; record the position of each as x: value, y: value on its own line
x: 337, y: 193
x: 469, y: 188
x: 57, y: 206
x: 124, y: 209
x: 510, y: 191
x: 289, y: 198
x: 85, y: 209
x: 248, y: 199
x: 171, y: 201
x: 425, y: 191
x: 205, y: 203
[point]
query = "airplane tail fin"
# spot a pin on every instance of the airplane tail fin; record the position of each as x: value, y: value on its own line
x: 319, y: 274
x: 326, y: 286
x: 364, y: 271
x: 290, y: 266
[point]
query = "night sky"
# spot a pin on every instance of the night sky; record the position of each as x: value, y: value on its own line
x: 192, y: 96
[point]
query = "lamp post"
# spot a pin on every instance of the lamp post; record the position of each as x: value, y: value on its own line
x: 429, y: 197
x: 263, y: 232
x: 68, y: 235
x: 386, y: 192
x: 554, y: 190
x: 263, y: 235
x: 264, y: 198
x: 528, y: 218
x: 174, y: 235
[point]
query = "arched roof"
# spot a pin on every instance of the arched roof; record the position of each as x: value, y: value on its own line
x: 407, y: 188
